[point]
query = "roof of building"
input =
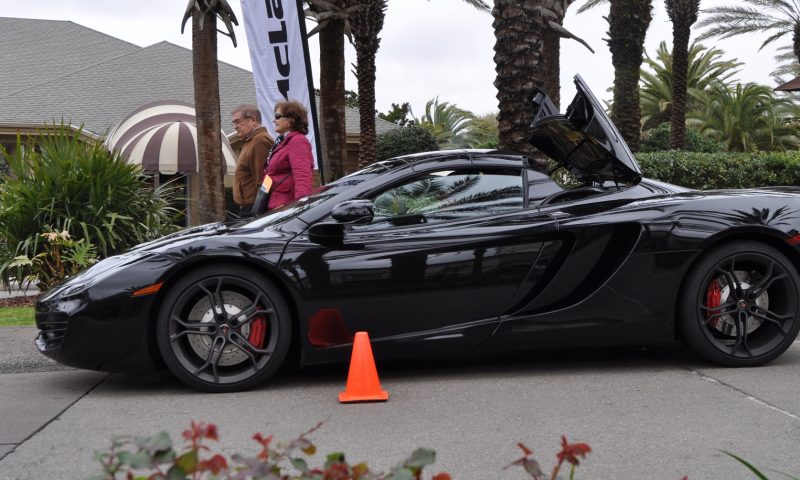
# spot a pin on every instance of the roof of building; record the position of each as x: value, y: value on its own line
x: 59, y: 70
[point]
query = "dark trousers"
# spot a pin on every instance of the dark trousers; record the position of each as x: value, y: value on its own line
x: 245, y: 211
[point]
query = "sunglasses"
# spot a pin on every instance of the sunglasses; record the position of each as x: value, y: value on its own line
x: 278, y: 116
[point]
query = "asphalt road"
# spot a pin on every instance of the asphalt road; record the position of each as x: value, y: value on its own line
x: 646, y: 414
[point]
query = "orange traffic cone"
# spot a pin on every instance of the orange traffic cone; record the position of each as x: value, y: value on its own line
x: 362, y: 380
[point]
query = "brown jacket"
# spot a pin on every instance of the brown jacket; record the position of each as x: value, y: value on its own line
x: 255, y: 146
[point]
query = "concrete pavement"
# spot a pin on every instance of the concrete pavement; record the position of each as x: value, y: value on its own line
x: 646, y: 414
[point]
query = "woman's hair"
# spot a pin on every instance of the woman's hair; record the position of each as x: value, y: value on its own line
x: 297, y: 112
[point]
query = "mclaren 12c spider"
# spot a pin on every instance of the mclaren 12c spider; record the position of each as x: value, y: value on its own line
x: 446, y: 253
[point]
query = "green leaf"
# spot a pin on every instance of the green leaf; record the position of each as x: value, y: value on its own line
x: 300, y: 465
x: 135, y: 460
x: 188, y: 461
x: 748, y: 465
x: 332, y: 458
x: 421, y: 457
x: 156, y: 443
x: 176, y: 473
x: 401, y: 474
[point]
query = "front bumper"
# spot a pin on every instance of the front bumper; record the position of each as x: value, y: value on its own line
x: 93, y: 335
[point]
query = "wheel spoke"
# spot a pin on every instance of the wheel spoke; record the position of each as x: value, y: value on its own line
x: 217, y: 303
x: 249, y: 349
x: 247, y: 315
x: 766, y: 281
x: 193, y: 328
x: 732, y: 279
x: 771, y: 317
x: 212, y: 360
x: 741, y: 335
x: 716, y: 312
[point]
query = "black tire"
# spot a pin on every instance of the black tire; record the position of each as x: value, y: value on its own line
x: 739, y: 305
x: 223, y: 329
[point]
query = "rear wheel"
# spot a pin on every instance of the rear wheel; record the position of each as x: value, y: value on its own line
x: 223, y: 329
x: 739, y: 305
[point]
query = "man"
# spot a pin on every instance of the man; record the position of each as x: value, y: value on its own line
x: 256, y: 143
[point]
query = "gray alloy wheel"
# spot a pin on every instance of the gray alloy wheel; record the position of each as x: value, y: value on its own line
x: 739, y: 305
x: 223, y: 329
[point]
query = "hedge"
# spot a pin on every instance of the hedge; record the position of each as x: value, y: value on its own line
x: 722, y: 169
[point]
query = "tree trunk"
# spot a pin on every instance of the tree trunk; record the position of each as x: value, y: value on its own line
x: 206, y: 104
x: 366, y: 25
x: 796, y: 41
x: 627, y: 21
x: 331, y: 99
x: 518, y: 63
x: 551, y: 54
x: 682, y: 13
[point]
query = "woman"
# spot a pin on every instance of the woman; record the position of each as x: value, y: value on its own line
x: 290, y: 161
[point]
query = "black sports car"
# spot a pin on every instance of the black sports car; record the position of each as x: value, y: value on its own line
x: 450, y: 252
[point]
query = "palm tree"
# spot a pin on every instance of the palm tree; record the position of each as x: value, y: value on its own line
x: 750, y: 118
x: 447, y: 123
x: 554, y: 13
x: 682, y: 14
x: 778, y: 17
x: 368, y: 23
x: 332, y: 25
x: 628, y: 21
x: 205, y: 70
x: 521, y: 62
x: 705, y: 68
x: 482, y: 132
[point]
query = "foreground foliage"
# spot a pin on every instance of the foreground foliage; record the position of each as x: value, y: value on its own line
x: 66, y: 183
x: 156, y: 457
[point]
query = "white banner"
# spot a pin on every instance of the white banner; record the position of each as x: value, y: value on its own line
x: 279, y: 54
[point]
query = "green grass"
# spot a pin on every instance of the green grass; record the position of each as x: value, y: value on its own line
x: 16, y: 317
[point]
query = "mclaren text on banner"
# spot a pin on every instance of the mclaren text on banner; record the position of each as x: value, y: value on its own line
x: 279, y: 54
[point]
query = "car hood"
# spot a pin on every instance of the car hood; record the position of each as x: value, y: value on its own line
x: 583, y: 139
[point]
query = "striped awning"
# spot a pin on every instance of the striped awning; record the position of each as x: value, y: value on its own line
x: 162, y: 137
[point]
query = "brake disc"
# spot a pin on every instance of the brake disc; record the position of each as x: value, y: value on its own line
x: 202, y: 312
x: 727, y: 323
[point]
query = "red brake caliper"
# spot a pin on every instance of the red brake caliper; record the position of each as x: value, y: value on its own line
x: 713, y: 299
x: 258, y: 331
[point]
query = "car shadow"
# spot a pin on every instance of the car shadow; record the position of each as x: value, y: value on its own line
x: 566, y: 361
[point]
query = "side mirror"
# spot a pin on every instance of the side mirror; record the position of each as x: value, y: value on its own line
x: 327, y: 234
x: 354, y: 211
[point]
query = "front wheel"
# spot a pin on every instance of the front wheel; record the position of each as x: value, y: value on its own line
x: 739, y: 305
x: 223, y: 329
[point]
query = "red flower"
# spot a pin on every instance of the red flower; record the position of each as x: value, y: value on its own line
x: 571, y: 451
x: 215, y: 464
x: 264, y: 441
x: 442, y: 476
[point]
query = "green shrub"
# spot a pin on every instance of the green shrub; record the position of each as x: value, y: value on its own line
x: 657, y: 139
x: 62, y: 257
x: 403, y: 141
x: 67, y: 183
x: 722, y: 169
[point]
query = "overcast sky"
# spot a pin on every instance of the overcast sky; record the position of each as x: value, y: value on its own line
x: 429, y: 48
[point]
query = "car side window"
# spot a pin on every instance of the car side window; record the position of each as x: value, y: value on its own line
x: 449, y: 195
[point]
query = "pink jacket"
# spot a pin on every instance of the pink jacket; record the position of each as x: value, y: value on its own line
x: 292, y: 158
